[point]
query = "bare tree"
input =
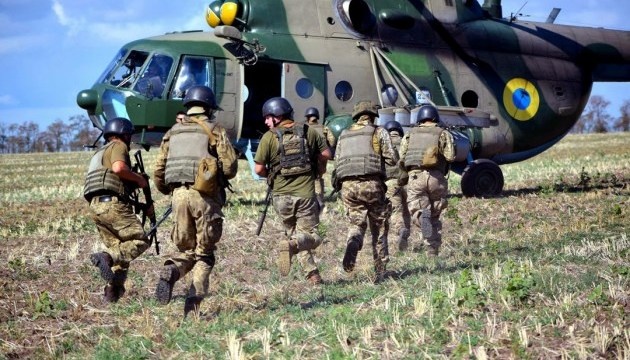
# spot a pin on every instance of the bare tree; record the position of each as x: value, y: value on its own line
x: 623, y: 122
x: 595, y: 118
x: 84, y: 132
x: 56, y: 136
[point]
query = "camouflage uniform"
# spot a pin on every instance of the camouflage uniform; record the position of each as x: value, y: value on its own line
x: 198, y: 219
x: 399, y: 220
x: 320, y: 191
x: 364, y: 195
x: 110, y: 208
x: 428, y: 187
x: 294, y: 199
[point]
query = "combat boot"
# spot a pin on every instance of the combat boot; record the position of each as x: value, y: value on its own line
x: 103, y: 261
x: 116, y: 289
x: 287, y: 250
x: 314, y: 278
x: 350, y: 257
x: 192, y: 304
x: 433, y: 251
x: 425, y: 224
x: 379, y: 271
x: 403, y: 240
x: 164, y: 289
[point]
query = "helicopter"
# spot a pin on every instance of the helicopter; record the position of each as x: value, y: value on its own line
x: 507, y: 89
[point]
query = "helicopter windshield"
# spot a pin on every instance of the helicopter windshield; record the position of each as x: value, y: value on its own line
x: 128, y: 71
x: 153, y: 80
x: 193, y: 70
x: 112, y: 65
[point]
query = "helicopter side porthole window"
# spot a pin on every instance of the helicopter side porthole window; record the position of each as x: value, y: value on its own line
x: 304, y: 88
x: 343, y: 91
x: 470, y: 99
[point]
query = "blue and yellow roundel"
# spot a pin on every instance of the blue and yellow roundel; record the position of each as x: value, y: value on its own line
x: 521, y: 99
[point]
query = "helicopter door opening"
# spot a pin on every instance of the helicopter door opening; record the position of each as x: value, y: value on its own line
x: 262, y: 81
x: 304, y: 86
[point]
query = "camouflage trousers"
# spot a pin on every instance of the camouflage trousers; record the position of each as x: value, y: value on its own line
x: 365, y: 203
x: 427, y: 190
x: 121, y: 231
x: 198, y: 227
x: 300, y: 218
x: 399, y: 220
x: 320, y: 192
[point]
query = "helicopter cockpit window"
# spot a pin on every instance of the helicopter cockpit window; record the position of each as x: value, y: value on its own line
x: 304, y: 88
x: 153, y: 80
x: 343, y: 91
x: 127, y: 72
x: 112, y: 65
x: 193, y: 70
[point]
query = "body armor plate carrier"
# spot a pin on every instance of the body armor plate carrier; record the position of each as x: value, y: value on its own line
x: 423, y: 151
x: 357, y: 156
x: 188, y: 146
x: 294, y: 154
x: 100, y: 179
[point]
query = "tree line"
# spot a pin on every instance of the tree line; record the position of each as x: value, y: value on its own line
x: 59, y: 136
x: 78, y: 131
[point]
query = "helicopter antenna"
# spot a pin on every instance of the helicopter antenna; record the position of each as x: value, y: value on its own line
x: 514, y: 16
x: 552, y: 15
x: 93, y: 146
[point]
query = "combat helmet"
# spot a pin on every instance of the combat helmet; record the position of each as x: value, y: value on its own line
x: 200, y: 95
x: 277, y: 106
x: 118, y: 126
x: 312, y: 111
x: 394, y: 125
x: 364, y: 108
x: 428, y: 113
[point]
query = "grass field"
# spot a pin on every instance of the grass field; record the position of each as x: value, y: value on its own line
x: 541, y: 272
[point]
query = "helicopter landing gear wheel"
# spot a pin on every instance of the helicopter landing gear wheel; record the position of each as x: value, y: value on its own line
x: 482, y: 178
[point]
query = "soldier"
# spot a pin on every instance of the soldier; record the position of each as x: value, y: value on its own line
x: 362, y: 152
x: 312, y: 119
x: 195, y: 158
x: 290, y: 155
x: 108, y: 186
x: 425, y: 153
x: 399, y: 220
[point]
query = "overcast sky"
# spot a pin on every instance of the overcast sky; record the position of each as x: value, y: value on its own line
x: 52, y: 49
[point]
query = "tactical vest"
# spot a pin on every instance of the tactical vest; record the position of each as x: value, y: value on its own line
x: 393, y: 171
x: 99, y: 179
x: 293, y: 148
x: 423, y: 149
x: 187, y: 146
x: 357, y: 156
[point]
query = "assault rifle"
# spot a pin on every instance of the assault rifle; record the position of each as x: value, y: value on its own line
x: 261, y: 220
x: 153, y: 230
x: 139, y: 168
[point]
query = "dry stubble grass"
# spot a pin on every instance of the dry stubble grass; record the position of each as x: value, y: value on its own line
x: 540, y: 272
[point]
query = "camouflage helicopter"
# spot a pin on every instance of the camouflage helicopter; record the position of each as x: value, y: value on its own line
x: 509, y: 89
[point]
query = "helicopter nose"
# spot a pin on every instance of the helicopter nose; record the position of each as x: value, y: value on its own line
x: 87, y: 99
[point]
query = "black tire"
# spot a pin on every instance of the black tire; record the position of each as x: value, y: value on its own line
x: 482, y: 178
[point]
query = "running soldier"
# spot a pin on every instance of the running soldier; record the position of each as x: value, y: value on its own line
x: 362, y: 152
x: 425, y: 153
x: 196, y: 158
x: 291, y: 155
x: 399, y: 220
x: 108, y: 187
x: 311, y: 116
